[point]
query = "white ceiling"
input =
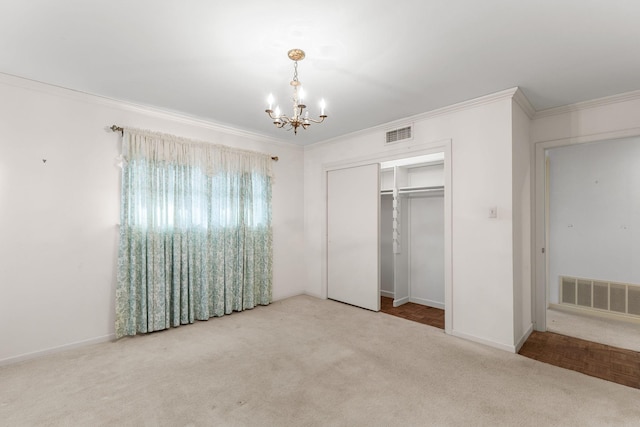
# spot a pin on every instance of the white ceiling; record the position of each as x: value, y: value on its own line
x: 372, y: 61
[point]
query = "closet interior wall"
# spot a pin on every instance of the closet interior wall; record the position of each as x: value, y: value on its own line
x: 412, y: 234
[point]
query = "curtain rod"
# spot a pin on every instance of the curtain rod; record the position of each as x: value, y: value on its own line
x: 115, y: 128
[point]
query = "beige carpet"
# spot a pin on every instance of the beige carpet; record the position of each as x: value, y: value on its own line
x: 609, y: 331
x: 304, y: 362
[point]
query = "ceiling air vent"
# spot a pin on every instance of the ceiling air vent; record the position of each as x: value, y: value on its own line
x: 398, y: 135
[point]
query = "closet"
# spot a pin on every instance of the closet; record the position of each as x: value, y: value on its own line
x: 412, y: 231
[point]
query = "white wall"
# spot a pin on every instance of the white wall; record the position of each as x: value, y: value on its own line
x: 596, y: 120
x: 58, y: 233
x: 594, y: 212
x: 426, y: 176
x: 426, y: 250
x: 522, y: 194
x: 482, y: 248
x: 602, y: 119
x: 423, y: 242
x: 426, y: 236
x: 386, y: 245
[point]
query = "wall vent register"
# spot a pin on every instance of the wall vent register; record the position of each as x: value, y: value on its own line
x: 598, y: 295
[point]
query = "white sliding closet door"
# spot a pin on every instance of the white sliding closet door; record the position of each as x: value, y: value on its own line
x: 353, y: 209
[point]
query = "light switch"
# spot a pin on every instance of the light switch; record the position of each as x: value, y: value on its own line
x: 493, y: 212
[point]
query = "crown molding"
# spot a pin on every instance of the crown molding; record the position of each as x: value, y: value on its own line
x: 76, y: 95
x: 454, y: 108
x: 592, y: 137
x: 471, y: 103
x: 586, y: 105
x: 520, y: 98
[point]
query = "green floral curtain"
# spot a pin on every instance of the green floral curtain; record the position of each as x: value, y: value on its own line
x: 195, y: 232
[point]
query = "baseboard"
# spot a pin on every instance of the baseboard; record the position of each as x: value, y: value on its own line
x: 291, y: 295
x: 27, y: 356
x: 427, y: 302
x: 594, y: 313
x: 387, y: 294
x: 500, y: 346
x: 399, y: 302
x: 524, y: 338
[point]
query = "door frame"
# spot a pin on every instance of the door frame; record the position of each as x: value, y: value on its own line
x: 540, y: 290
x: 441, y: 146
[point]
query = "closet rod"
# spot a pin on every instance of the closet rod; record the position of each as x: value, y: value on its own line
x: 425, y: 188
x: 116, y: 128
x: 420, y: 190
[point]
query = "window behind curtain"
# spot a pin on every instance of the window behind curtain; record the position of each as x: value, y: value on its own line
x: 195, y: 237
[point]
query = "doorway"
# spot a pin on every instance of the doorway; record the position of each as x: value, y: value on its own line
x: 443, y: 152
x: 589, y: 282
x: 412, y: 231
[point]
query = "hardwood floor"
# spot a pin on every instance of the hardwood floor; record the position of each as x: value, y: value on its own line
x: 598, y: 360
x: 416, y: 312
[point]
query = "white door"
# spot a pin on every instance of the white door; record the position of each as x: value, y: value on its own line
x: 353, y: 207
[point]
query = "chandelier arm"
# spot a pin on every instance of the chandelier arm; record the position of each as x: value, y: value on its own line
x: 316, y: 121
x: 282, y: 117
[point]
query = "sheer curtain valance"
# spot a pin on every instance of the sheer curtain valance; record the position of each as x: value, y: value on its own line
x: 195, y: 232
x: 211, y: 158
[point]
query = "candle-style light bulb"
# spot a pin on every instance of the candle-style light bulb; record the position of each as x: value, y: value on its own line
x: 300, y: 94
x: 322, y: 106
x: 277, y: 113
x: 270, y: 101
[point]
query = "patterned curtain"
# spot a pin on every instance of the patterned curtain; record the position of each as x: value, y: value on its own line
x: 195, y: 232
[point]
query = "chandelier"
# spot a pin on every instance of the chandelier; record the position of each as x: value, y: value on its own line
x: 299, y: 116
